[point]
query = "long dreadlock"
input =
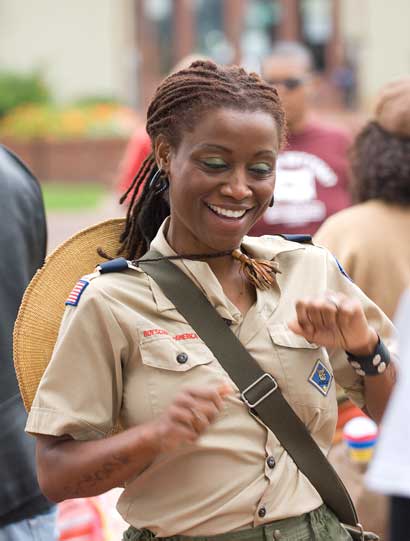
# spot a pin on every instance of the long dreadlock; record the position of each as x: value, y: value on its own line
x: 176, y: 106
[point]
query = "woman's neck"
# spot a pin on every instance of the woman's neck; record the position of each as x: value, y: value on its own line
x: 227, y: 271
x: 224, y: 267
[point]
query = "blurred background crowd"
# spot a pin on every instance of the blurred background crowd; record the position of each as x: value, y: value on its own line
x: 75, y: 80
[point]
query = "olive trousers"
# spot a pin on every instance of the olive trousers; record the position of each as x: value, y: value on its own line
x: 318, y: 525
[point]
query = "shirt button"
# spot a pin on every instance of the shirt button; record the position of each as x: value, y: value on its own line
x: 262, y: 512
x: 271, y: 462
x: 182, y: 358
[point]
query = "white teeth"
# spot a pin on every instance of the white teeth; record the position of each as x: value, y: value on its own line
x: 226, y: 212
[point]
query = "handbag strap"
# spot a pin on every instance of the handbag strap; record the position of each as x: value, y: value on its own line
x: 259, y: 389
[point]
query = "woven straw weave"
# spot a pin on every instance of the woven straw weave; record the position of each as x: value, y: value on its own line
x: 43, y: 304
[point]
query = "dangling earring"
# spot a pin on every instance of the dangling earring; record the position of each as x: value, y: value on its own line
x: 159, y: 182
x: 272, y: 201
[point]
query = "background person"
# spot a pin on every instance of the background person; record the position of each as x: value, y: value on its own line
x: 191, y: 457
x: 312, y: 172
x: 25, y: 514
x: 389, y: 473
x: 372, y: 239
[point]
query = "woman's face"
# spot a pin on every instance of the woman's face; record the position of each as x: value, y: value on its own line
x: 222, y: 177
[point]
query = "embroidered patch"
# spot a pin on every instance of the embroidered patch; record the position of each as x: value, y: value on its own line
x: 152, y: 332
x: 75, y: 295
x: 186, y: 336
x: 321, y: 378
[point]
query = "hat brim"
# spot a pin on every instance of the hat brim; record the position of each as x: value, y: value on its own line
x: 43, y: 304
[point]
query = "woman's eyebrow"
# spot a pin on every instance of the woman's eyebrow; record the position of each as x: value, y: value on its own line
x: 266, y: 151
x: 212, y: 146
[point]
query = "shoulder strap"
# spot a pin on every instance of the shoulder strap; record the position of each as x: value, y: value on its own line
x: 259, y: 389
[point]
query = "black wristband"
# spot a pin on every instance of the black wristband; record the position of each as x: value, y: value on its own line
x: 370, y: 365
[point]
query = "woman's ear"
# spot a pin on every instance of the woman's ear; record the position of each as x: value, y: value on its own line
x: 162, y: 153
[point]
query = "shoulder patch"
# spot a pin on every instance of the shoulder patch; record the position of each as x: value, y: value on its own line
x: 74, y: 297
x: 303, y: 239
x: 341, y: 268
x: 321, y: 378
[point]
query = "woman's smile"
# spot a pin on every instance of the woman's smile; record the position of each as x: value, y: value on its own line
x: 228, y: 213
x: 222, y: 176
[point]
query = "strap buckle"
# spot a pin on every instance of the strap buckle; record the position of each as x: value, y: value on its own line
x: 265, y: 395
x: 360, y: 527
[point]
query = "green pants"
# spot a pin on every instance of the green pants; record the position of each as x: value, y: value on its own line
x: 318, y: 525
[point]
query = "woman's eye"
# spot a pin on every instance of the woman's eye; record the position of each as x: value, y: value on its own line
x: 261, y: 168
x: 214, y: 163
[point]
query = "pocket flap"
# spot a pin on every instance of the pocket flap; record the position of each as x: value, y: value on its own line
x: 283, y: 336
x: 168, y: 354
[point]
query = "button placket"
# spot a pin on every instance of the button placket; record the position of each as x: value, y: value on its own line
x: 271, y: 462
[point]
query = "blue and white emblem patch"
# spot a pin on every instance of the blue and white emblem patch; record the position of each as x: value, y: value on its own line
x: 74, y: 297
x: 321, y: 378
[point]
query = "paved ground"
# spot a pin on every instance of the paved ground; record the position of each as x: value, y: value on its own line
x: 62, y: 225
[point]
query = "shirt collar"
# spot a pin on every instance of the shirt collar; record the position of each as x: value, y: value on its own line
x: 266, y: 247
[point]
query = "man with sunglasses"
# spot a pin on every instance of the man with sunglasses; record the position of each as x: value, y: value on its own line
x: 311, y: 181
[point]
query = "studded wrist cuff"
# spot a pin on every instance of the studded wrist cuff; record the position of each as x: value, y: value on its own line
x: 370, y: 365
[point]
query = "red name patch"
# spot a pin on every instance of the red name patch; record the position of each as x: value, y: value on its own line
x: 151, y: 332
x: 186, y: 336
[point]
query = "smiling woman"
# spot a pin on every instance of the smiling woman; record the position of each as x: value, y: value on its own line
x: 194, y: 458
x: 220, y: 181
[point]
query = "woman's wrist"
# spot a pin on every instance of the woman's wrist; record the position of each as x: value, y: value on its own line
x: 368, y: 347
x: 370, y: 364
x: 149, y: 439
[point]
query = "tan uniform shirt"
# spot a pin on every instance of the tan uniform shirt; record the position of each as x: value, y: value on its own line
x: 372, y: 241
x: 116, y: 358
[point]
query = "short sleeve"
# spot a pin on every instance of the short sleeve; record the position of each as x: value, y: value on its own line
x: 80, y: 392
x: 345, y: 376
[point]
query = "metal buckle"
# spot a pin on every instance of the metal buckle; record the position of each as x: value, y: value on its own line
x: 132, y: 266
x: 252, y: 385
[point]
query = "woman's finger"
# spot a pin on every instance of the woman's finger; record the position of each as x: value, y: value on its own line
x: 302, y: 317
x: 315, y: 314
x: 329, y: 315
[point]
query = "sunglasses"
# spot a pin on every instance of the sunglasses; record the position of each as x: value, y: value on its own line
x: 290, y: 83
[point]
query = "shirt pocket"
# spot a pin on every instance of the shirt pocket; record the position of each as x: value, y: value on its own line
x: 306, y: 368
x: 171, y: 365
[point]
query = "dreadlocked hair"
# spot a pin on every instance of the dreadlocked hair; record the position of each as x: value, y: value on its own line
x: 177, y: 105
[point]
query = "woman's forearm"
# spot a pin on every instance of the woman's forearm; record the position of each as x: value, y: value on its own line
x: 71, y: 469
x: 74, y: 469
x: 377, y: 392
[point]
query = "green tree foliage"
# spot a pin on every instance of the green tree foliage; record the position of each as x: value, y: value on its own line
x: 20, y: 89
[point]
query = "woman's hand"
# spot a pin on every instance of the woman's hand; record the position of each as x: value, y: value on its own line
x: 334, y: 320
x: 190, y: 414
x: 72, y: 469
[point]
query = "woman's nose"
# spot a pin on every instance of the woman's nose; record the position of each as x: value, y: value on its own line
x: 237, y: 187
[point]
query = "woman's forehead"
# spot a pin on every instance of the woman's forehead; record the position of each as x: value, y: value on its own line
x: 228, y: 125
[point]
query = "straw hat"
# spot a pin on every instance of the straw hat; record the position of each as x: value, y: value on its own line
x: 43, y: 304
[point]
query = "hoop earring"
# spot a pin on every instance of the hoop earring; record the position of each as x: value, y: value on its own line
x: 272, y: 201
x: 159, y: 182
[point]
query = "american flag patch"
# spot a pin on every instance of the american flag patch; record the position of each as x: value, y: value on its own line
x: 75, y: 295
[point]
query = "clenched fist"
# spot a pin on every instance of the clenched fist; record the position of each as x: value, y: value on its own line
x: 334, y: 320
